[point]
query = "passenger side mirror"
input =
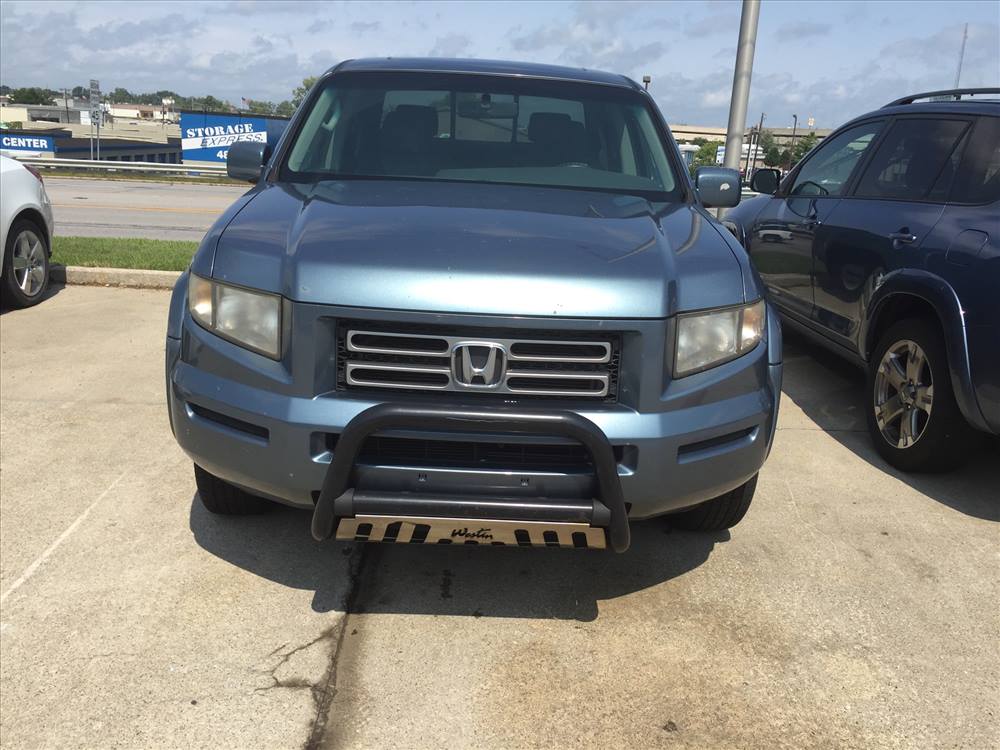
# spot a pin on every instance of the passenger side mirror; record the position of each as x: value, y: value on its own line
x: 717, y: 187
x: 765, y: 181
x: 246, y: 159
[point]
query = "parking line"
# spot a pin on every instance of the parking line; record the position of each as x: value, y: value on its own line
x: 30, y: 570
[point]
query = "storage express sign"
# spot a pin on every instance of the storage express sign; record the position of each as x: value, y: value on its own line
x: 26, y: 145
x: 208, y: 137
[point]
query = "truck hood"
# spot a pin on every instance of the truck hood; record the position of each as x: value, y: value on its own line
x: 473, y: 248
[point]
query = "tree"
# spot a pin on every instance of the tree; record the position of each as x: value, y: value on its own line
x: 32, y: 95
x: 802, y: 146
x: 767, y: 149
x: 285, y: 109
x: 260, y: 108
x: 4, y: 90
x: 80, y: 92
x: 122, y: 96
x: 301, y: 91
x: 705, y: 155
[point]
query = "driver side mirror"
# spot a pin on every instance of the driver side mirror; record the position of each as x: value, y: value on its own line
x: 246, y: 160
x: 717, y: 187
x: 765, y: 181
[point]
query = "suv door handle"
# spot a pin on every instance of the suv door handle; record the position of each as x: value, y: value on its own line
x: 902, y: 238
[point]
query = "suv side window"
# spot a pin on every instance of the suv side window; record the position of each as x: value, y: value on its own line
x: 914, y: 156
x: 829, y: 169
x: 978, y: 179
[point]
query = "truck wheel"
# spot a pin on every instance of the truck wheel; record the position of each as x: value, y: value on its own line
x: 223, y: 498
x: 25, y: 265
x: 722, y: 512
x: 914, y: 421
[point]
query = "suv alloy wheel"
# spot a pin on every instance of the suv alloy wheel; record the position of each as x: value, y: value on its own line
x: 914, y: 421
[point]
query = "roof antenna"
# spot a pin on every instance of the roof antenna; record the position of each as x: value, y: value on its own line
x: 961, y: 56
x: 645, y: 82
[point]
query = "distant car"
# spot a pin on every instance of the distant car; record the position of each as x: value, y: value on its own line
x: 25, y: 234
x: 884, y: 245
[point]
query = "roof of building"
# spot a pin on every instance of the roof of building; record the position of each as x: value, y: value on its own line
x: 486, y: 67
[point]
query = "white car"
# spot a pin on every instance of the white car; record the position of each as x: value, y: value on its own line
x: 25, y: 234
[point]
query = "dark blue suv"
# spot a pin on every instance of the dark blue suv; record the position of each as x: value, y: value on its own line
x: 884, y: 245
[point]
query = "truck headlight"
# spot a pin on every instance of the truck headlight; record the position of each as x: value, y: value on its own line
x: 710, y: 338
x: 249, y: 318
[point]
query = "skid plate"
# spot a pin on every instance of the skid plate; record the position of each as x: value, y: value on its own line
x: 424, y: 530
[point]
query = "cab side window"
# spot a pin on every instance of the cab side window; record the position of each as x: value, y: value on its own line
x: 918, y: 155
x: 829, y: 169
x: 978, y: 178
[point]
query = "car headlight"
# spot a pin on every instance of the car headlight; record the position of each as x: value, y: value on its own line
x: 245, y: 317
x: 712, y: 337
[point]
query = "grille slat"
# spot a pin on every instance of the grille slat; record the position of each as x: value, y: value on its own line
x: 533, y: 363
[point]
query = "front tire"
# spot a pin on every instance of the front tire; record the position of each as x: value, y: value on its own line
x: 717, y: 514
x: 913, y: 419
x: 25, y: 265
x: 224, y: 499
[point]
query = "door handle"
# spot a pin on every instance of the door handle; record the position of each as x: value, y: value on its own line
x: 902, y: 238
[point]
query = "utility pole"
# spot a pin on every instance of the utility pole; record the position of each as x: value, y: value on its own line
x: 66, y: 104
x: 961, y: 56
x: 791, y: 149
x: 741, y: 84
x: 754, y: 148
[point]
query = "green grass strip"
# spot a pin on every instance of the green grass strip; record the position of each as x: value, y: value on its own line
x: 123, y: 252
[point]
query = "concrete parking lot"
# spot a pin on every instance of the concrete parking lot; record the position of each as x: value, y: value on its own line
x: 854, y: 607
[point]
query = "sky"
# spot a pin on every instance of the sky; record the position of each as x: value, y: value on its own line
x: 825, y: 59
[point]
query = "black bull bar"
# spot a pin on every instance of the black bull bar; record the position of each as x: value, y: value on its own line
x: 335, y: 500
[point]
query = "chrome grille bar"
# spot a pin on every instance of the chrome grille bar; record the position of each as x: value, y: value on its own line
x: 530, y: 367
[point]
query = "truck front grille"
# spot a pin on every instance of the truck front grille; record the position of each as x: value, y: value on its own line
x: 552, y: 364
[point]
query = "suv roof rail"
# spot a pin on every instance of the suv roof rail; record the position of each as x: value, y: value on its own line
x: 956, y: 93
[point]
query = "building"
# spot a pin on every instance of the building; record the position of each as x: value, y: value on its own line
x: 207, y: 136
x: 61, y: 143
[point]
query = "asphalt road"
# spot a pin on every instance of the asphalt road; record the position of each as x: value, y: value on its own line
x: 135, y: 208
x: 853, y: 607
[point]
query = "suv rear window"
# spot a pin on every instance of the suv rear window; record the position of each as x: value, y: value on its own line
x: 978, y: 179
x: 485, y: 129
x: 915, y: 157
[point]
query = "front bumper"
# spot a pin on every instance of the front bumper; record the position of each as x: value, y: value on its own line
x: 253, y: 422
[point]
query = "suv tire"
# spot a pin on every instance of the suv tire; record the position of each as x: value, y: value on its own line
x: 913, y: 418
x: 31, y: 246
x: 717, y: 514
x: 225, y: 499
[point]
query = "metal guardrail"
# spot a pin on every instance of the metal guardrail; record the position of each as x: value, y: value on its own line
x: 124, y: 166
x: 138, y: 166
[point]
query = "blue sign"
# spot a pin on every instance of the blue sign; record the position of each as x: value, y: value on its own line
x: 27, y: 145
x: 208, y: 136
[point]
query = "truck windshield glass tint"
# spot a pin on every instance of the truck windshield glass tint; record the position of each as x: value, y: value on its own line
x: 482, y: 129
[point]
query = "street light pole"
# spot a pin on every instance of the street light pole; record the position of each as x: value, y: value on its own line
x: 741, y: 84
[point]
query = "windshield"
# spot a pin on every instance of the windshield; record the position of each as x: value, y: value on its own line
x: 482, y: 129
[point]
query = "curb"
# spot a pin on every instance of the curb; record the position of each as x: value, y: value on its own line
x: 124, y: 277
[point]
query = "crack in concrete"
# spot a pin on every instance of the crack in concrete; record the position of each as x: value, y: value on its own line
x: 325, y: 690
